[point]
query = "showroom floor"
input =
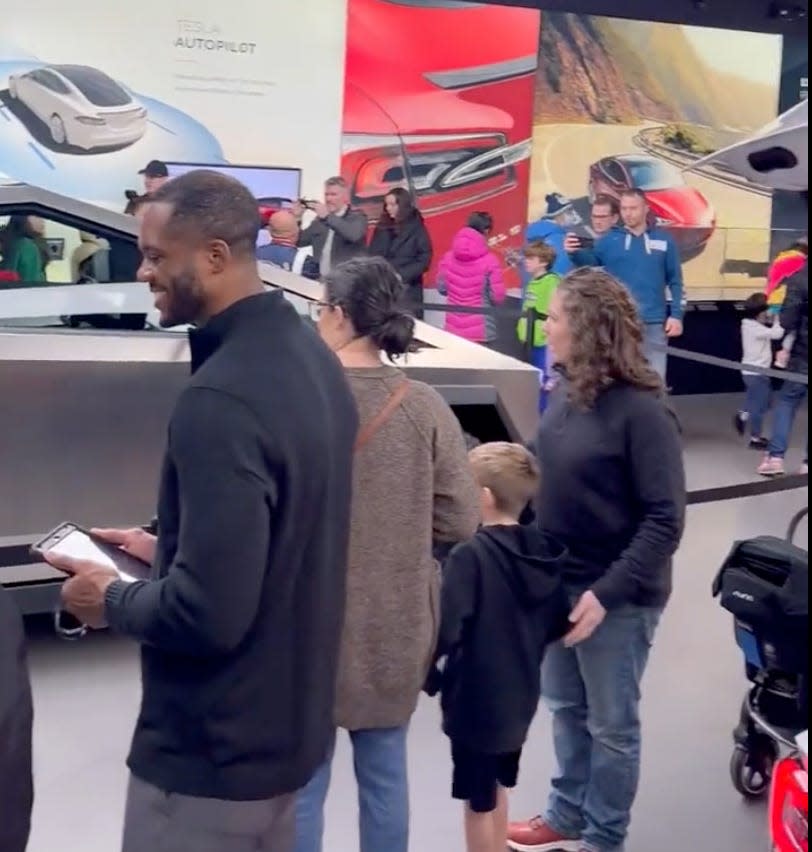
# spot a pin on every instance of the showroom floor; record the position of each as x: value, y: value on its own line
x: 87, y: 693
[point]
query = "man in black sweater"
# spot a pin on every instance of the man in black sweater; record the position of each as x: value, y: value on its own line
x: 16, y: 721
x: 240, y: 624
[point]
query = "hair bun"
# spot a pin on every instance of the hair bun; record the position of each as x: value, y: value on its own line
x: 395, y: 334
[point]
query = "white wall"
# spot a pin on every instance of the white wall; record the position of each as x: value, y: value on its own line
x: 260, y: 82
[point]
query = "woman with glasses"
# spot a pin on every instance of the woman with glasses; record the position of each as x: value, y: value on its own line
x: 411, y: 487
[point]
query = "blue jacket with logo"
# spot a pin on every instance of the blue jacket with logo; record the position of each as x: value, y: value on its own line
x: 647, y: 265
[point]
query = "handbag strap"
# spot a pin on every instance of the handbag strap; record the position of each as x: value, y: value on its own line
x: 392, y: 404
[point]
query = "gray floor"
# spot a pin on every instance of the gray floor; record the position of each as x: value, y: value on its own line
x: 86, y: 697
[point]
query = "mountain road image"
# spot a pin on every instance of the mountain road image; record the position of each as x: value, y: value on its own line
x: 730, y: 263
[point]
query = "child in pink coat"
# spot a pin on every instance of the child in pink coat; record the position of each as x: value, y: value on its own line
x: 470, y: 275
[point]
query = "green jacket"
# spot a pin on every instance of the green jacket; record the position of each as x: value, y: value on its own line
x: 537, y: 297
x: 24, y: 258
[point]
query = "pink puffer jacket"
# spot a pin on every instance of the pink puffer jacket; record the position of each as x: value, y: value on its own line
x: 463, y: 274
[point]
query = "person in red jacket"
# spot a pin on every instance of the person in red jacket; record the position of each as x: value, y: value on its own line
x: 470, y: 275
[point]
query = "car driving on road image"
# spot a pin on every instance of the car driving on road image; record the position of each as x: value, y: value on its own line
x: 674, y: 205
x: 624, y: 104
x: 80, y: 106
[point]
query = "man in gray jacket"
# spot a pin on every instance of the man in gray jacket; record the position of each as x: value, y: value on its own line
x: 338, y: 232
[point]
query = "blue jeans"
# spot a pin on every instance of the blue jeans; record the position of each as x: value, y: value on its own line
x: 383, y: 794
x: 757, y: 402
x: 593, y: 691
x: 538, y: 358
x: 654, y: 334
x: 789, y: 401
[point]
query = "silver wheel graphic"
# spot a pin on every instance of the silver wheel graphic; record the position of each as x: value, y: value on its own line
x: 57, y: 128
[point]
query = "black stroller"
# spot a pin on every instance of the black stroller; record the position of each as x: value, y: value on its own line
x: 764, y: 584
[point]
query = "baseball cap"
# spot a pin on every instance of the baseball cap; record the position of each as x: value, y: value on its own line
x: 155, y: 169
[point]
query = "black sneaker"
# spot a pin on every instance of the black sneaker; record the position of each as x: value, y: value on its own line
x: 759, y: 443
x: 740, y: 422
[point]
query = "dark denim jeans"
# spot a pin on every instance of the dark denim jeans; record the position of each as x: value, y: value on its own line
x: 789, y: 401
x: 383, y: 794
x: 593, y: 691
x: 757, y: 402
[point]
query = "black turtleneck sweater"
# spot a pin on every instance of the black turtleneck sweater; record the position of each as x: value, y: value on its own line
x: 613, y: 492
x: 241, y: 622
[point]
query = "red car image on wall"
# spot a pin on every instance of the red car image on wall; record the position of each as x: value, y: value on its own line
x: 438, y: 98
x: 675, y: 206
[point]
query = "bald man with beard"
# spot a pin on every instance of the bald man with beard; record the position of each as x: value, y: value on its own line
x: 281, y: 250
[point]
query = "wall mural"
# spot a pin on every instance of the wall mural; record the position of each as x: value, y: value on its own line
x: 630, y: 104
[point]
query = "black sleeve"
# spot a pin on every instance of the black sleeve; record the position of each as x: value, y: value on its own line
x: 16, y: 722
x: 654, y: 455
x: 379, y: 244
x: 458, y: 597
x: 414, y: 269
x: 307, y: 235
x: 208, y: 600
x: 796, y: 303
x: 457, y: 605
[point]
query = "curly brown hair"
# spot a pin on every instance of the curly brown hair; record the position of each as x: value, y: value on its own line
x: 606, y: 337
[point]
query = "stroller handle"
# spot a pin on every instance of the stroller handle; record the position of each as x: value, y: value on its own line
x: 795, y: 523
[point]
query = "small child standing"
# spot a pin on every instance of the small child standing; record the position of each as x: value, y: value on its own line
x: 539, y: 259
x: 503, y: 602
x: 757, y: 338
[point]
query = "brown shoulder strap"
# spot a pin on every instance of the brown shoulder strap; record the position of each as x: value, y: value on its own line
x: 369, y: 429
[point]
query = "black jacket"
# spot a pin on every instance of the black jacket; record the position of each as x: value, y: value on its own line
x: 349, y: 236
x: 240, y: 626
x: 613, y: 492
x: 407, y: 247
x: 795, y: 318
x: 16, y: 719
x: 503, y: 602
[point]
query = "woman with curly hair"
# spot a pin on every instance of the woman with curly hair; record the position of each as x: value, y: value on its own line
x: 613, y: 492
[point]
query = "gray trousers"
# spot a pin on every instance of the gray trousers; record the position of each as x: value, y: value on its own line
x: 169, y: 822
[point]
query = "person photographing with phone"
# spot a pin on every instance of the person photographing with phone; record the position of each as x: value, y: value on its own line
x: 240, y: 624
x: 646, y: 261
x: 338, y: 232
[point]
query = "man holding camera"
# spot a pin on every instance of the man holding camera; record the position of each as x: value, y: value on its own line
x: 338, y: 232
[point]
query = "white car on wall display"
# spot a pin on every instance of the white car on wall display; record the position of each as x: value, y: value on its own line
x: 81, y: 106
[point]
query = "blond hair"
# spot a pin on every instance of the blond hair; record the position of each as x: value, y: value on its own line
x: 509, y: 471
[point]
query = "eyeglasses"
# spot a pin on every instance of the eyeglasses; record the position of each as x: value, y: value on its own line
x: 314, y: 309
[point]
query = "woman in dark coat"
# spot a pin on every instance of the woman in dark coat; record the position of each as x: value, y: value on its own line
x: 401, y: 238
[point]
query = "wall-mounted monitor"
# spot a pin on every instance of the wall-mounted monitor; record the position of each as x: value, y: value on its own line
x: 265, y: 182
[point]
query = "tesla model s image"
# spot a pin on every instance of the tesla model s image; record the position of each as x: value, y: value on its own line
x: 449, y: 117
x: 80, y: 106
x: 675, y: 206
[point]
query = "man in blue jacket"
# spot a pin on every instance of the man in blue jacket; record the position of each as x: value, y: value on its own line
x: 550, y: 229
x: 646, y: 260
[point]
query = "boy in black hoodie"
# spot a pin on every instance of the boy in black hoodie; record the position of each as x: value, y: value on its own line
x: 502, y: 604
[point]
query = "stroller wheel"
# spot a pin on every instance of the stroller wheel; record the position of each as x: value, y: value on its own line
x: 751, y: 770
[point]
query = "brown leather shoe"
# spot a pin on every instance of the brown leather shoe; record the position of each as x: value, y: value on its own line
x: 536, y: 836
